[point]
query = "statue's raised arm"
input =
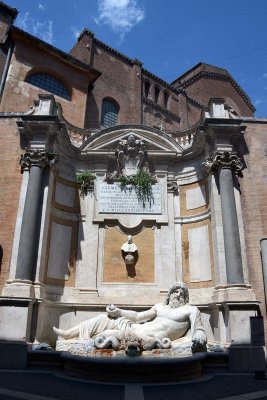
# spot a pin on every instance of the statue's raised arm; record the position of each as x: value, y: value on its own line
x: 134, y: 316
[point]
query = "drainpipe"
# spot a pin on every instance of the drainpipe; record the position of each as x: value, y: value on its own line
x: 6, y: 67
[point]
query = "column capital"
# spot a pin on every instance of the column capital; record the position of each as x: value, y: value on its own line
x: 224, y: 159
x: 37, y: 158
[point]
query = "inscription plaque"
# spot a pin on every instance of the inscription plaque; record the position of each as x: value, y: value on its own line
x: 113, y: 200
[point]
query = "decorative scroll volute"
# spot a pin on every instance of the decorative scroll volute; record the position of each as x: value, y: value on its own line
x: 224, y: 160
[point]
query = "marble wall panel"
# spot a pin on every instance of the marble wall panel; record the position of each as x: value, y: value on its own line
x: 61, y: 252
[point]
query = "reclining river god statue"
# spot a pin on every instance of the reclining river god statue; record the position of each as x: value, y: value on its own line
x: 154, y: 328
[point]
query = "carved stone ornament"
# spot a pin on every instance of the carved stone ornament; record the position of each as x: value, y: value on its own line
x: 172, y: 186
x: 38, y: 158
x: 224, y: 160
x: 131, y: 156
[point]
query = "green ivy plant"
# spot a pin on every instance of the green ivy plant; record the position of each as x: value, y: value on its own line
x: 85, y: 182
x: 142, y: 183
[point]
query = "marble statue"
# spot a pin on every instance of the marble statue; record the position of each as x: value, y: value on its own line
x: 155, y: 328
x: 129, y: 250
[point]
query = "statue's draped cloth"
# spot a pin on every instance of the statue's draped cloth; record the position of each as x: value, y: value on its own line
x: 95, y: 326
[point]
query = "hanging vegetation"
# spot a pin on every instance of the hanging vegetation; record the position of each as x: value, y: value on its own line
x: 142, y: 183
x: 85, y: 182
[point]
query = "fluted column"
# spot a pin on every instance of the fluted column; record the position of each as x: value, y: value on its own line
x: 34, y: 161
x: 225, y: 164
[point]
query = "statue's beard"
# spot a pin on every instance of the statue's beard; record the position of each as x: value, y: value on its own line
x: 174, y: 303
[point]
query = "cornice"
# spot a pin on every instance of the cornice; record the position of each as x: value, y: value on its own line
x: 10, y: 10
x: 110, y: 49
x: 161, y: 81
x: 190, y: 99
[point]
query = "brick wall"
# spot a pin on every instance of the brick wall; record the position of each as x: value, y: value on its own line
x: 206, y: 88
x: 120, y: 81
x: 10, y: 183
x: 18, y: 95
x: 254, y: 203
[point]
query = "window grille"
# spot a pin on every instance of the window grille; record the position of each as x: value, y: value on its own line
x: 50, y: 84
x: 110, y: 111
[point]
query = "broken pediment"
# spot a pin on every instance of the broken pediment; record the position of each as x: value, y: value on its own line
x: 156, y: 142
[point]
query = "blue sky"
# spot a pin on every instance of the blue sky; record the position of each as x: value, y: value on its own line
x: 168, y: 36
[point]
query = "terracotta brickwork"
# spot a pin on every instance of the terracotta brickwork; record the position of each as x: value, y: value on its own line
x: 19, y: 96
x: 120, y: 81
x: 204, y: 82
x: 123, y: 80
x: 10, y: 183
x: 114, y: 267
x: 254, y: 202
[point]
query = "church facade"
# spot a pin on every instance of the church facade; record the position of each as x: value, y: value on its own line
x: 76, y: 129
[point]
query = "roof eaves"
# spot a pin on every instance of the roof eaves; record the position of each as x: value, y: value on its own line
x: 161, y: 81
x: 105, y: 46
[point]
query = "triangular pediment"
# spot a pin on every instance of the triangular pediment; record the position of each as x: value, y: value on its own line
x: 108, y: 140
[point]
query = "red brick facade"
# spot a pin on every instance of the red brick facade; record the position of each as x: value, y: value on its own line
x: 93, y: 72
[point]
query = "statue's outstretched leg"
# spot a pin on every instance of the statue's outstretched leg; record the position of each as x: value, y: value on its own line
x: 89, y: 328
x: 69, y: 333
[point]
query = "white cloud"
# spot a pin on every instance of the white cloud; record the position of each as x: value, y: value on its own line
x: 120, y: 15
x: 41, y: 6
x: 265, y: 75
x: 257, y: 102
x: 76, y: 32
x: 43, y: 30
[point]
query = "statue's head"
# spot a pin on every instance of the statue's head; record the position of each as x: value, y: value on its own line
x: 130, y: 239
x: 178, y: 295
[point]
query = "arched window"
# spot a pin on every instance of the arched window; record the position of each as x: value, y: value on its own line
x: 157, y: 92
x: 49, y: 83
x: 166, y: 99
x: 110, y: 111
x: 147, y: 89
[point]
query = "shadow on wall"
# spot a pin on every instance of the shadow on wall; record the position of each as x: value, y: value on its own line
x: 92, y: 116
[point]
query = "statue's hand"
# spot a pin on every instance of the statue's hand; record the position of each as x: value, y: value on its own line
x: 113, y: 311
